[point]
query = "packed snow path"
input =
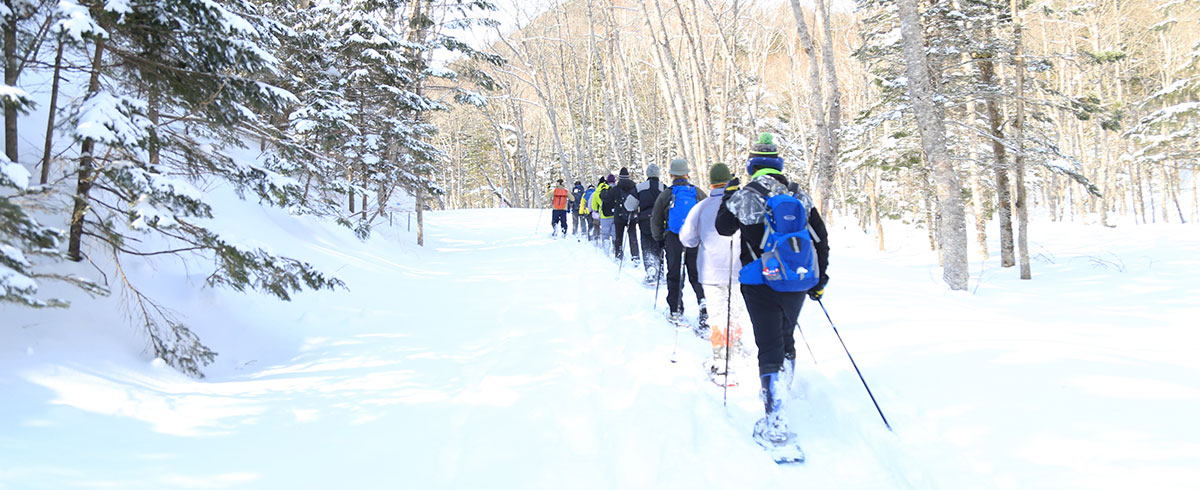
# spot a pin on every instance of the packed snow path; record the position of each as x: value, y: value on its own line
x: 497, y: 357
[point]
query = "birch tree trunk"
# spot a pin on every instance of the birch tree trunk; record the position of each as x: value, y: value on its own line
x: 704, y: 147
x: 833, y: 104
x: 1019, y: 157
x: 672, y: 83
x: 816, y: 105
x: 952, y: 232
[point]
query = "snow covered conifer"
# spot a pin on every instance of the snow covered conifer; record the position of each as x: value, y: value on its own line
x: 23, y: 239
x: 360, y: 71
x: 1168, y: 132
x: 174, y: 89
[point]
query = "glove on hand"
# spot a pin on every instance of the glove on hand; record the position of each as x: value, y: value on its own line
x: 819, y: 290
x: 730, y: 188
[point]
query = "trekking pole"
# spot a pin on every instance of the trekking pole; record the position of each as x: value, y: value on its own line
x: 657, y: 280
x: 676, y: 345
x: 620, y: 264
x: 538, y: 226
x: 860, y: 376
x: 728, y: 325
x: 810, y: 353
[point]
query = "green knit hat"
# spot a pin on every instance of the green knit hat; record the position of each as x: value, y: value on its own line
x: 764, y: 147
x: 719, y: 174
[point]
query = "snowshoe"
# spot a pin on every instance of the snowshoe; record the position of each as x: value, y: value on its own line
x: 772, y: 433
x: 676, y: 319
x: 715, y: 368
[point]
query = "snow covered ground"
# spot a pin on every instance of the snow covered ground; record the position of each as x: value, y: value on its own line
x: 497, y: 357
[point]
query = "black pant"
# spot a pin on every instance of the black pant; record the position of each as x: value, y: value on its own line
x: 624, y: 228
x: 675, y: 252
x: 559, y: 216
x: 651, y: 254
x: 773, y: 315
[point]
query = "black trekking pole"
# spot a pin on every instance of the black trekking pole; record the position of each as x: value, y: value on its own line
x: 620, y: 264
x: 860, y: 376
x: 658, y: 273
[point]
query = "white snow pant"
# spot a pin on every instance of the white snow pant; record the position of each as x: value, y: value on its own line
x: 719, y: 303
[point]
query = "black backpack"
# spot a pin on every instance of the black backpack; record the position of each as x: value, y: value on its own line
x: 608, y: 200
x: 622, y: 212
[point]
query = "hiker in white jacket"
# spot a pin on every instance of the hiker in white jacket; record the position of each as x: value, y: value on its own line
x: 718, y: 266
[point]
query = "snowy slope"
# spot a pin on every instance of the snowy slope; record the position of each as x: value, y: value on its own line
x: 496, y: 357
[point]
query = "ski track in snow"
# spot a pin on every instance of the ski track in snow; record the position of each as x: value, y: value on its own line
x: 498, y: 357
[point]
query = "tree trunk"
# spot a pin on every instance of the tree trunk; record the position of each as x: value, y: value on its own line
x: 670, y: 82
x: 1174, y: 185
x: 86, y: 168
x: 420, y: 217
x: 704, y: 147
x: 50, y: 115
x: 833, y: 103
x: 816, y: 106
x: 987, y: 74
x: 952, y: 231
x: 874, y: 197
x: 1135, y: 180
x: 1019, y: 156
x: 979, y: 200
x: 10, y: 79
x: 152, y: 114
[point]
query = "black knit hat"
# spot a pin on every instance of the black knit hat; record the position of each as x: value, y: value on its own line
x: 624, y: 173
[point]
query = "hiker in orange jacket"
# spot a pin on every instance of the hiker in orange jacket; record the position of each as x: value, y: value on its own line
x: 558, y: 201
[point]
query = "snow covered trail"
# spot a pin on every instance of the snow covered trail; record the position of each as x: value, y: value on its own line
x: 496, y: 357
x: 492, y: 359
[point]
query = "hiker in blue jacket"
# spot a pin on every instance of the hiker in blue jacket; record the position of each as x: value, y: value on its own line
x: 670, y: 211
x: 773, y: 314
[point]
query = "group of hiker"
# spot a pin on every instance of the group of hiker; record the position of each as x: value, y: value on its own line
x: 780, y: 239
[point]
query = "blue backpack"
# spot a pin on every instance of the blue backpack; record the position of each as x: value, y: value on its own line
x: 789, y: 261
x: 587, y: 199
x: 683, y: 198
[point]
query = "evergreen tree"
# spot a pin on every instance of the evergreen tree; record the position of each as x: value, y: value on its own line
x: 1168, y: 132
x: 175, y: 87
